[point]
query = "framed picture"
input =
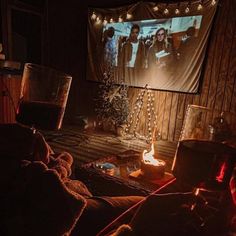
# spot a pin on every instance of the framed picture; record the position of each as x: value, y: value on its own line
x: 164, y: 48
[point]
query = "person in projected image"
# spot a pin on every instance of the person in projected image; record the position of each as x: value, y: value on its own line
x: 133, y: 56
x: 110, y: 51
x: 160, y: 60
x: 187, y: 48
x: 160, y: 52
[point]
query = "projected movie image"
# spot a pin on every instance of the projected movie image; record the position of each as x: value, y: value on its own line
x: 153, y: 52
x: 165, y: 53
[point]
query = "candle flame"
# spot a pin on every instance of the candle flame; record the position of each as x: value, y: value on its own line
x: 148, y: 157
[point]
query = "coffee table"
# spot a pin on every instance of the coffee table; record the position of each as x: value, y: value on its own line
x: 120, y: 175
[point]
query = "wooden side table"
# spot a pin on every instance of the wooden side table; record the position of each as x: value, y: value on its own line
x: 10, y: 83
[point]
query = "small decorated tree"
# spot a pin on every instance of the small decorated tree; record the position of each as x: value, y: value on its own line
x: 112, y: 104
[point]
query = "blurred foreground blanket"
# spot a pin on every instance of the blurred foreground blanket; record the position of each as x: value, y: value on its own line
x: 36, y: 195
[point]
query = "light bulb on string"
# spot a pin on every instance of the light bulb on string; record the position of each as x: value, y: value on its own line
x: 177, y: 11
x: 213, y: 2
x: 128, y: 16
x: 94, y: 16
x: 120, y: 19
x: 98, y: 20
x: 166, y: 11
x: 199, y: 7
x: 155, y: 8
x: 187, y: 10
x: 105, y: 22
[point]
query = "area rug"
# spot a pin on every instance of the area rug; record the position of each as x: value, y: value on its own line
x: 86, y: 146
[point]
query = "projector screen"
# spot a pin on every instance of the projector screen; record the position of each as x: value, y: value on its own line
x: 165, y: 53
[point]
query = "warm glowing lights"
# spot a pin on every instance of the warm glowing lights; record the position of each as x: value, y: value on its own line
x: 187, y: 10
x: 199, y: 7
x: 157, y: 8
x: 213, y: 2
x: 120, y: 19
x: 221, y: 175
x: 105, y: 22
x: 177, y: 11
x: 98, y: 20
x: 94, y: 16
x: 197, y: 190
x: 129, y: 16
x: 111, y: 20
x: 166, y: 11
x: 148, y: 157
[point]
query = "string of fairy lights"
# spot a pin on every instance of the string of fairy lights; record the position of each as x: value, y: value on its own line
x: 145, y: 96
x: 168, y: 9
x: 145, y: 102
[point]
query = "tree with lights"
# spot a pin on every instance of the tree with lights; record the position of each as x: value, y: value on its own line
x: 112, y: 104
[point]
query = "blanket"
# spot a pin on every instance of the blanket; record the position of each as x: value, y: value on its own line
x: 37, y: 196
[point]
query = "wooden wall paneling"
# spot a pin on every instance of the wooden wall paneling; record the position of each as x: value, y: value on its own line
x: 1, y: 99
x: 16, y: 86
x: 225, y: 60
x: 11, y: 93
x: 196, y: 99
x: 10, y: 105
x: 7, y: 106
x: 179, y: 116
x: 233, y: 98
x: 156, y: 104
x: 142, y: 126
x: 156, y: 107
x: 209, y: 60
x: 4, y: 101
x: 160, y: 115
x: 172, y: 119
x: 229, y: 103
x: 166, y: 116
x: 207, y: 76
x: 15, y: 95
x: 219, y: 97
x: 188, y: 101
x: 217, y: 57
x: 231, y: 69
x: 133, y: 94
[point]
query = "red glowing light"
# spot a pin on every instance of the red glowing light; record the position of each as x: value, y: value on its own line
x: 221, y: 174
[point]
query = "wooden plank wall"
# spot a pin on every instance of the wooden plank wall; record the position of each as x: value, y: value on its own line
x: 9, y: 97
x: 218, y: 86
x: 218, y: 90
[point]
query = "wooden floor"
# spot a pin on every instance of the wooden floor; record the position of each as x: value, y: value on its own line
x: 87, y: 146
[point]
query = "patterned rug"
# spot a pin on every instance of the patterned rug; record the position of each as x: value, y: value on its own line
x: 87, y: 146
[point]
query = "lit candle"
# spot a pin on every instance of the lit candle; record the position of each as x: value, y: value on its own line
x: 151, y: 167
